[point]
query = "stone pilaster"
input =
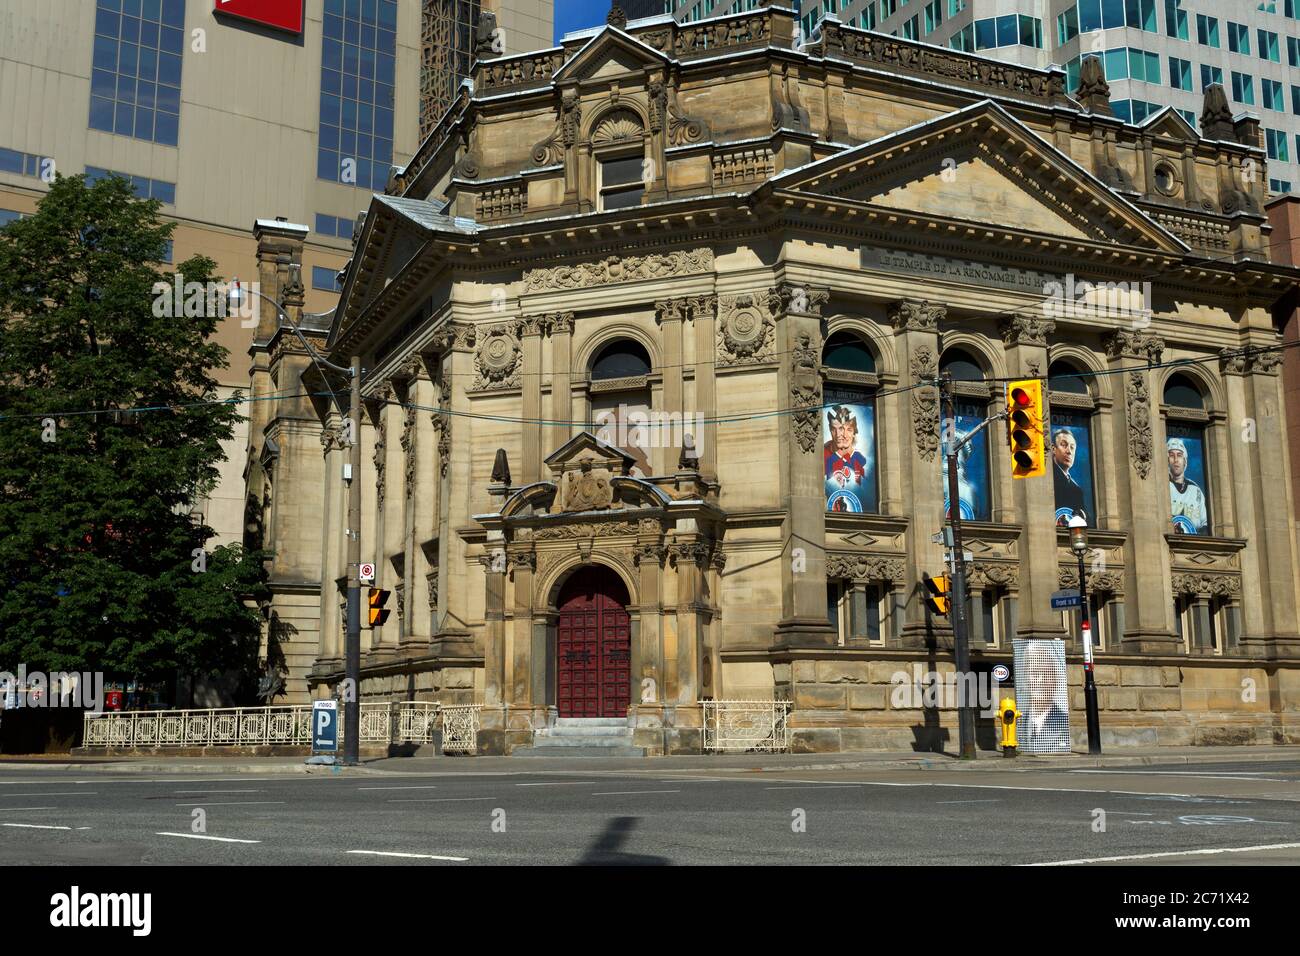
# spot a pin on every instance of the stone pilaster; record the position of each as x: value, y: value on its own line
x: 561, y: 379
x: 529, y: 329
x: 1025, y: 338
x: 1141, y: 479
x: 423, y: 507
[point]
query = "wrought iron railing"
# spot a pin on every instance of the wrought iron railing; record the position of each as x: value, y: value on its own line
x: 381, y: 723
x: 460, y: 728
x: 746, y: 725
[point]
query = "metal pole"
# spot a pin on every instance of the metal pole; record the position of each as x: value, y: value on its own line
x: 1089, y: 684
x: 957, y: 600
x: 352, y: 650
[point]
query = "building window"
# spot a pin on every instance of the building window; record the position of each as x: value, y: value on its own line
x: 933, y: 16
x: 1108, y: 14
x: 621, y: 181
x: 135, y: 79
x: 971, y: 408
x: 1272, y: 94
x: 1279, y: 186
x: 9, y: 215
x: 862, y: 613
x: 1268, y: 48
x: 1175, y: 19
x: 358, y: 62
x: 888, y: 8
x: 955, y: 7
x: 911, y: 29
x: 964, y: 39
x: 621, y: 401
x: 868, y: 16
x: 1067, y: 26
x: 1180, y: 74
x: 1238, y: 38
x: 1243, y: 88
x: 1188, y: 115
x: 339, y: 227
x: 1188, y: 452
x: 1276, y: 144
x: 1207, y: 31
x: 849, y: 427
x: 24, y: 164
x: 144, y: 187
x: 1293, y: 51
x: 1210, y: 75
x: 324, y: 279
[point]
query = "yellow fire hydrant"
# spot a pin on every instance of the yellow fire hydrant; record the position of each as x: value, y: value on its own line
x: 1008, y: 715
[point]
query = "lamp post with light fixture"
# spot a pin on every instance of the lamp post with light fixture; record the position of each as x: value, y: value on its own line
x: 1079, y: 545
x: 351, y: 475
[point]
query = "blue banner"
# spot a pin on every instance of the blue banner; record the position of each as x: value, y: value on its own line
x: 1189, y: 504
x: 972, y: 465
x: 849, y: 452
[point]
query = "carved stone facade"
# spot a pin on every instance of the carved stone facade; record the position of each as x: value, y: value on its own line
x: 793, y: 249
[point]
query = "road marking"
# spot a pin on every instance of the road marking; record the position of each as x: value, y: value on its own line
x: 411, y: 856
x: 74, y: 793
x: 231, y: 803
x: 824, y: 786
x: 15, y: 809
x: 428, y: 787
x: 442, y: 800
x: 1152, y: 856
x: 1225, y: 775
x: 34, y: 826
x: 183, y: 792
x: 573, y: 783
x: 621, y: 793
x: 201, y: 836
x: 943, y: 802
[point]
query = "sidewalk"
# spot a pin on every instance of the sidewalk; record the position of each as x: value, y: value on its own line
x: 709, y: 763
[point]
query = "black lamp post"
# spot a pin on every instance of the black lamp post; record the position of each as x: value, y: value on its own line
x: 1079, y: 545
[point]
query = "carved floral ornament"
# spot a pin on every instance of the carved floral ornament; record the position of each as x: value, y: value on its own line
x: 864, y: 567
x: 1240, y: 361
x: 1026, y: 330
x: 1214, y: 585
x: 915, y: 315
x: 925, y: 402
x: 620, y: 126
x: 996, y: 575
x: 745, y: 329
x: 619, y: 269
x: 498, y: 359
x: 805, y: 418
x: 1106, y: 582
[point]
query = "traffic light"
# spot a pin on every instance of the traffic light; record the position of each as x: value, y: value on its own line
x: 1025, y: 423
x: 375, y: 602
x: 937, y: 599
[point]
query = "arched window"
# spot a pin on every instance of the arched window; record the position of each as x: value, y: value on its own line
x: 1070, y: 443
x: 620, y: 400
x: 971, y: 407
x: 618, y: 144
x: 1185, y: 424
x: 849, y: 425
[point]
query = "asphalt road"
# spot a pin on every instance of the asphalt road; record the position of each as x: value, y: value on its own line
x: 1233, y: 813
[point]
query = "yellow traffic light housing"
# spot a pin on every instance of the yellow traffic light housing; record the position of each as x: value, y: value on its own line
x: 1028, y: 436
x: 937, y: 598
x: 375, y: 602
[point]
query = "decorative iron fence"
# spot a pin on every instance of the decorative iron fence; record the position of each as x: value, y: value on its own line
x: 381, y: 723
x: 460, y: 728
x: 746, y: 725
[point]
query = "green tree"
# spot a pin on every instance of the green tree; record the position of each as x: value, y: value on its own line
x: 110, y: 427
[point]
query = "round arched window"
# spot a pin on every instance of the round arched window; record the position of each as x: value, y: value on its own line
x: 1069, y: 442
x: 846, y: 351
x: 971, y: 404
x: 1185, y: 446
x: 849, y: 425
x: 621, y: 359
x: 1181, y: 392
x: 621, y: 400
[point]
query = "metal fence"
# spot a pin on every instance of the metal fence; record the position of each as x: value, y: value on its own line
x: 381, y: 723
x: 460, y: 728
x: 746, y: 725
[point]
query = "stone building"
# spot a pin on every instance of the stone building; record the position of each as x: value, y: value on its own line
x: 652, y: 325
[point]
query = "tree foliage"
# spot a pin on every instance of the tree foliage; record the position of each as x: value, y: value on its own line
x: 110, y: 428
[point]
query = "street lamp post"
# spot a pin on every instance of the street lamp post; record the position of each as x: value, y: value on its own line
x: 352, y: 416
x: 1079, y: 545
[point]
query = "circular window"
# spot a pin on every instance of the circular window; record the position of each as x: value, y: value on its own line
x: 1166, y: 179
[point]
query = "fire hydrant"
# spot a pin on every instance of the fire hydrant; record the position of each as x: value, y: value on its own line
x: 1008, y: 715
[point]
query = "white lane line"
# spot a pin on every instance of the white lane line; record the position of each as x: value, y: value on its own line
x: 423, y: 787
x: 34, y: 826
x: 411, y: 856
x: 1226, y: 775
x: 181, y: 793
x: 574, y: 783
x: 1153, y: 856
x: 943, y: 802
x: 74, y: 793
x: 1185, y: 773
x: 15, y: 809
x: 821, y: 786
x: 201, y: 836
x: 231, y: 803
x: 442, y: 800
x: 621, y: 793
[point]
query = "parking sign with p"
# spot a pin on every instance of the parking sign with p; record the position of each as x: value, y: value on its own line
x: 325, y: 726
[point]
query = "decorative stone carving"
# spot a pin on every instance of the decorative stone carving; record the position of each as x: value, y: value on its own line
x: 718, y: 561
x: 1124, y: 344
x: 408, y: 450
x: 454, y: 336
x: 1093, y: 92
x: 399, y: 593
x: 570, y: 114
x: 1265, y: 362
x: 1108, y: 582
x: 1216, y: 114
x: 522, y: 560
x: 501, y: 468
x: 805, y: 419
x: 618, y: 127
x: 652, y: 553
x: 619, y: 269
x: 807, y: 353
x: 1233, y: 361
x: 1138, y: 403
x: 683, y: 129
x: 695, y: 552
x: 745, y: 329
x: 1214, y: 585
x: 332, y: 437
x: 864, y: 567
x: 925, y: 403
x: 380, y: 457
x: 795, y: 299
x: 1026, y: 330
x: 616, y: 18
x: 996, y: 575
x: 485, y: 34
x: 915, y: 315
x: 497, y: 360
x: 606, y: 529
x: 431, y: 580
x: 657, y: 97
x: 588, y: 489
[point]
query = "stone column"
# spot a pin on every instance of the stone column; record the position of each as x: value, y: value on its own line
x: 529, y: 330
x: 333, y: 518
x: 802, y: 487
x: 649, y: 557
x: 386, y: 459
x: 703, y: 311
x: 916, y: 341
x: 1141, y: 479
x: 491, y: 739
x: 455, y: 343
x: 690, y: 557
x: 561, y: 326
x: 671, y: 315
x: 418, y: 630
x: 1025, y: 337
x: 1257, y: 433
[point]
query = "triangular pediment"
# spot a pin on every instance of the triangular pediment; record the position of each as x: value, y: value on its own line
x: 585, y: 451
x: 608, y: 54
x: 981, y: 165
x: 1169, y: 122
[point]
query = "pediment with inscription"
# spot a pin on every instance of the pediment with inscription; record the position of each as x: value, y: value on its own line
x: 980, y: 164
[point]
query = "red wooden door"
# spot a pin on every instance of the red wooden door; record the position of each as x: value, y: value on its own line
x: 594, y: 646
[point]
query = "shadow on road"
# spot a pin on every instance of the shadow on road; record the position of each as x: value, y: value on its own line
x: 606, y: 850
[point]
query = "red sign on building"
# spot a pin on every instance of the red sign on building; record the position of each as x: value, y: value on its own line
x: 280, y: 14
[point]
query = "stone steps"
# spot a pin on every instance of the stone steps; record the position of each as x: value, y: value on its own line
x: 583, y: 737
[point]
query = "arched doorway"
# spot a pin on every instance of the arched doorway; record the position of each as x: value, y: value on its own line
x: 593, y: 652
